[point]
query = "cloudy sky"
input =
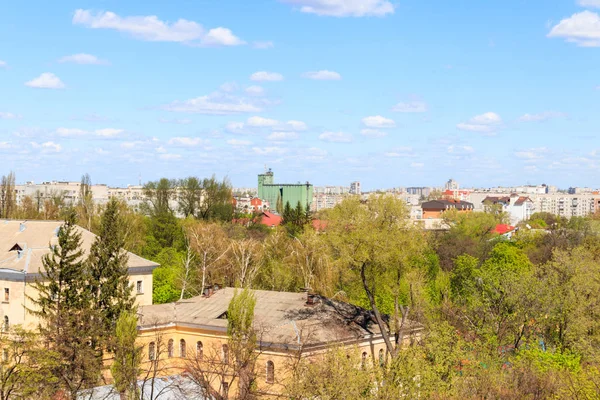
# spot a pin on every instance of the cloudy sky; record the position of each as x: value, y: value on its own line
x: 391, y: 93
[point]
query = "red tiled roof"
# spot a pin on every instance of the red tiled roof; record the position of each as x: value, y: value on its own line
x: 522, y: 200
x: 270, y: 219
x: 501, y: 229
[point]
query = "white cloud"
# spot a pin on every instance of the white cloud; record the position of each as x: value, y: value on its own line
x: 378, y: 122
x: 175, y: 121
x: 484, y: 123
x: 398, y: 152
x: 581, y: 28
x: 589, y: 3
x: 316, y: 152
x: 3, y: 64
x: 71, y: 132
x: 216, y: 103
x: 150, y: 28
x: 532, y: 154
x: 187, y: 141
x: 84, y: 59
x: 281, y: 136
x: 5, y: 145
x: 229, y: 87
x: 236, y: 127
x: 264, y: 76
x: 344, y: 8
x: 263, y: 45
x: 273, y: 150
x: 293, y: 126
x: 543, y: 116
x: 335, y: 137
x: 236, y: 142
x: 47, y: 147
x: 106, y: 132
x: 255, y: 90
x: 373, y: 133
x: 323, y: 75
x: 460, y: 150
x: 109, y: 132
x: 221, y: 37
x: 262, y: 122
x: 169, y: 157
x: 9, y: 115
x: 411, y: 107
x: 47, y: 80
x: 417, y: 165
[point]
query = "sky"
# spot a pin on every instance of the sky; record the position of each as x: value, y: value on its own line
x: 390, y: 93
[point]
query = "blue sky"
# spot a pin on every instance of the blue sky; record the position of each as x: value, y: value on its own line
x: 391, y: 93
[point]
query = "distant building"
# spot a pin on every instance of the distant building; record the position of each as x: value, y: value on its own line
x: 420, y: 191
x: 451, y: 185
x: 284, y: 192
x: 355, y: 188
x: 435, y: 208
x: 518, y: 207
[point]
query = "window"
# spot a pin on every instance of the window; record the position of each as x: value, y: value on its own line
x: 182, y: 349
x: 224, y: 389
x: 140, y: 287
x: 170, y: 348
x: 6, y: 294
x: 225, y: 354
x: 6, y: 323
x: 4, y: 355
x: 152, y: 351
x: 381, y: 358
x: 363, y: 360
x: 199, y: 350
x: 270, y: 372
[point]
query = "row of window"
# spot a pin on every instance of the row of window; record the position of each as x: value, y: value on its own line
x: 363, y: 361
x: 270, y: 366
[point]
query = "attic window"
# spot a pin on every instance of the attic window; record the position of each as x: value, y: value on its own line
x: 223, y: 316
x: 16, y: 247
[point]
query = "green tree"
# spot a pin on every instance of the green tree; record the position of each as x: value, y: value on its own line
x: 68, y: 321
x: 127, y: 357
x: 216, y: 200
x: 108, y: 270
x: 190, y: 196
x: 158, y: 195
x: 378, y: 243
x: 8, y: 201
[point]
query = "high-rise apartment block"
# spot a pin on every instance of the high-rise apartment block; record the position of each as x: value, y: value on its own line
x: 355, y: 188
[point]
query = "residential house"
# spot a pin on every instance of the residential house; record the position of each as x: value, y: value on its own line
x: 519, y: 208
x: 435, y: 208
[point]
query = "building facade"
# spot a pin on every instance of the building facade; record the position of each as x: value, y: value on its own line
x: 285, y: 193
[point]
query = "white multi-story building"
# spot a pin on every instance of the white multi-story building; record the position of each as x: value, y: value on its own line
x: 452, y: 185
x: 355, y: 188
x: 68, y: 191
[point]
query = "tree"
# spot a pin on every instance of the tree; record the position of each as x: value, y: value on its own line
x: 309, y: 258
x: 68, y: 322
x: 108, y: 270
x: 158, y: 195
x: 210, y: 245
x: 86, y: 202
x: 213, y: 373
x: 24, y: 366
x: 377, y: 242
x: 7, y: 195
x: 190, y: 196
x: 216, y: 200
x: 127, y: 357
x: 244, y: 259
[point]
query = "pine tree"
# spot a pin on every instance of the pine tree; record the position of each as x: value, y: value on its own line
x: 64, y: 308
x: 107, y: 263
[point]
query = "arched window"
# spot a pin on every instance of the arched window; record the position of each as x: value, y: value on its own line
x: 170, y: 349
x: 270, y: 372
x: 152, y: 351
x: 381, y: 357
x: 182, y: 349
x: 6, y: 323
x: 225, y: 354
x: 4, y: 355
x: 363, y: 360
x: 224, y: 389
x: 199, y: 350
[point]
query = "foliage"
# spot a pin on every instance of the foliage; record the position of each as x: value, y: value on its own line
x: 127, y: 356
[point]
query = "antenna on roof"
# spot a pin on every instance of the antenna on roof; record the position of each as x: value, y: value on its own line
x: 265, y: 168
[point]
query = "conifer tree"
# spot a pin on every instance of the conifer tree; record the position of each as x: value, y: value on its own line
x: 128, y: 357
x: 107, y: 263
x: 64, y: 308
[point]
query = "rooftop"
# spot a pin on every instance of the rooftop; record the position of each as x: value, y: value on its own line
x: 284, y: 319
x: 24, y: 243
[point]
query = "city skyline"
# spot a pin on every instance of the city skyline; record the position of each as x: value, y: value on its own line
x: 327, y: 92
